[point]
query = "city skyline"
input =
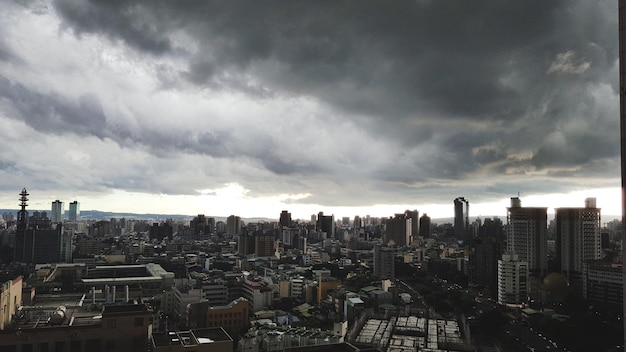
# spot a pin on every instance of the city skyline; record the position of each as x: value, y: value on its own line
x: 349, y: 110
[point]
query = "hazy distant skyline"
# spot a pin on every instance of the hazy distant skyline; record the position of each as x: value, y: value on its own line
x: 346, y: 107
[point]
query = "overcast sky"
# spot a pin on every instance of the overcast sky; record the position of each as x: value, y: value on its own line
x: 346, y: 107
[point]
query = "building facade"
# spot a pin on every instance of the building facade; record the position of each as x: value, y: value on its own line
x: 527, y: 236
x: 461, y: 218
x: 513, y: 283
x: 74, y: 212
x: 577, y: 240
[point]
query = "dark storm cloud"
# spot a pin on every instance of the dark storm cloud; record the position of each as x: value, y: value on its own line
x: 129, y: 22
x: 53, y: 113
x: 455, y: 87
x: 488, y: 61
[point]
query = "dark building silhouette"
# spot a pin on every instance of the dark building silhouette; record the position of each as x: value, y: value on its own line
x: 201, y: 225
x: 398, y: 229
x: 264, y: 244
x: 461, y: 218
x: 245, y: 244
x: 233, y: 225
x: 37, y: 241
x: 160, y: 231
x: 326, y: 223
x: 425, y: 226
x: 484, y: 253
x: 577, y: 240
x: 285, y: 219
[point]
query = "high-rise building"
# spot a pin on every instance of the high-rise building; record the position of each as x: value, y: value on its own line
x: 233, y: 225
x: 357, y: 223
x: 577, y: 240
x: 326, y: 223
x: 264, y: 244
x: 461, y: 218
x: 527, y: 235
x: 58, y: 211
x: 512, y: 280
x: 74, y: 213
x: 414, y: 215
x: 398, y: 229
x: 484, y: 253
x: 384, y: 264
x: 425, y: 226
x: 285, y: 218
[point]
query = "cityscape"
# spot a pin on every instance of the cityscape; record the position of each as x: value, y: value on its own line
x: 258, y: 176
x: 399, y: 283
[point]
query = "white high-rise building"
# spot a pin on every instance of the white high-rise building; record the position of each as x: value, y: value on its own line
x: 513, y: 283
x: 527, y: 235
x: 58, y: 211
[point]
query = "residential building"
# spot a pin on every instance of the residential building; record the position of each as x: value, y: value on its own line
x: 384, y: 262
x: 233, y: 317
x: 233, y: 225
x: 264, y: 244
x: 527, y: 236
x: 10, y: 300
x: 399, y: 229
x: 603, y: 283
x: 285, y: 219
x: 425, y: 226
x: 326, y: 224
x: 577, y: 240
x: 513, y: 282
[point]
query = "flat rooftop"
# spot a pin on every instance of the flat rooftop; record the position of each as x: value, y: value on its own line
x: 190, y: 337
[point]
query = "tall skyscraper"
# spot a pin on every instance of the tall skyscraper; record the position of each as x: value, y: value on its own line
x: 74, y: 213
x: 577, y: 240
x: 461, y: 218
x: 527, y: 236
x: 58, y: 211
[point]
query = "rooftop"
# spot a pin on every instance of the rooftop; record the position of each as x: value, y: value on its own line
x: 190, y: 337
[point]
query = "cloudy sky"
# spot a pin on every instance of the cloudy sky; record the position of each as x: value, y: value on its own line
x: 346, y: 107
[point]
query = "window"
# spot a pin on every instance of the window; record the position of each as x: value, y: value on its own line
x: 93, y: 345
x: 110, y: 345
x: 43, y: 347
x: 75, y: 346
x: 112, y: 324
x: 59, y: 346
